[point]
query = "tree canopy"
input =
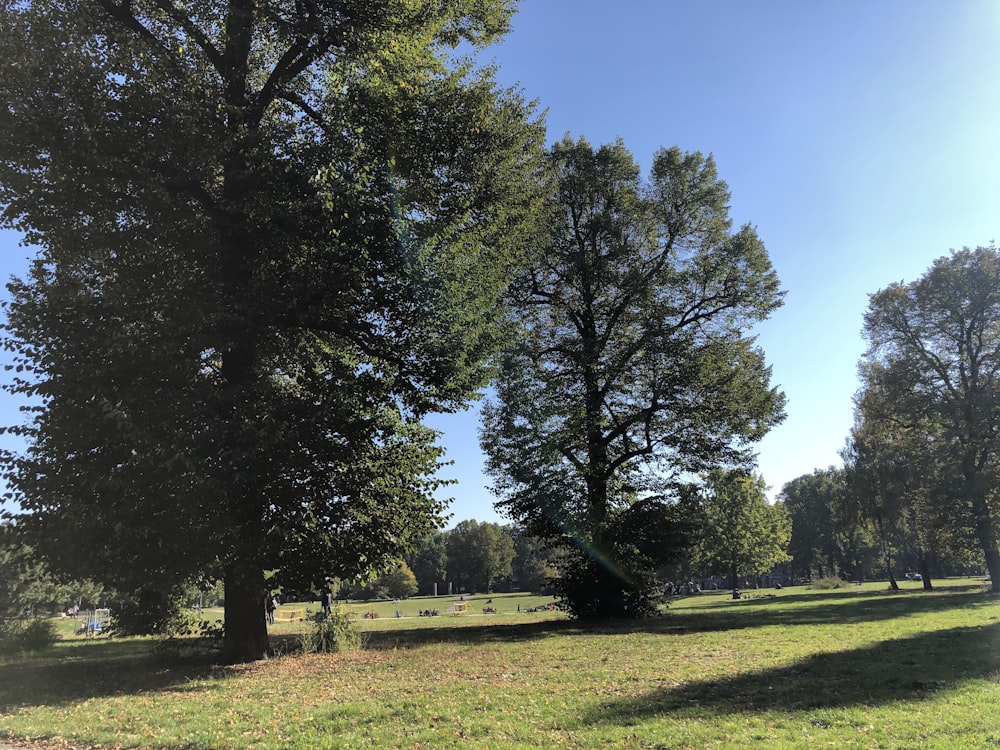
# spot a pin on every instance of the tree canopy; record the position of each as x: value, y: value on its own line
x: 932, y: 383
x: 632, y: 368
x: 741, y: 533
x: 814, y: 504
x: 272, y: 238
x: 479, y: 555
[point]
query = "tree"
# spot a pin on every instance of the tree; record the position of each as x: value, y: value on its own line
x: 814, y: 502
x: 891, y: 469
x: 399, y: 583
x: 632, y: 367
x: 742, y: 534
x: 25, y: 582
x: 273, y: 236
x: 531, y: 568
x: 429, y: 561
x: 85, y: 594
x: 874, y: 497
x: 934, y: 352
x: 479, y: 554
x: 27, y: 585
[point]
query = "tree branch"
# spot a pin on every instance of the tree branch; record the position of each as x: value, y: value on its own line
x: 192, y: 30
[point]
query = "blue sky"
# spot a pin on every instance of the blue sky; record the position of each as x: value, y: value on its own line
x: 860, y: 137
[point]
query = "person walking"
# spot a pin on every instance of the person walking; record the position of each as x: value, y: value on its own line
x: 270, y: 604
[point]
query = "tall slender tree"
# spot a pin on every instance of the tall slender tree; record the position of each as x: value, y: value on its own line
x: 273, y: 235
x: 633, y: 366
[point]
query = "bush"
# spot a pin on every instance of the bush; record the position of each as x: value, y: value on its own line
x: 331, y: 633
x: 830, y: 582
x: 400, y: 583
x: 208, y: 639
x: 152, y: 612
x: 589, y: 590
x: 25, y: 636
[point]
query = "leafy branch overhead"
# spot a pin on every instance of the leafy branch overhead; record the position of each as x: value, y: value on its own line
x: 273, y: 236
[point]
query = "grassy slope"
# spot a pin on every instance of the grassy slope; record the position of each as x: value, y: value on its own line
x: 856, y: 667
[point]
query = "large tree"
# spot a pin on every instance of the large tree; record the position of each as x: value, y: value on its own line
x: 24, y: 581
x: 633, y: 367
x: 934, y: 353
x: 814, y: 502
x: 272, y: 237
x: 531, y: 568
x: 429, y: 561
x: 741, y: 534
x: 479, y: 554
x: 894, y: 477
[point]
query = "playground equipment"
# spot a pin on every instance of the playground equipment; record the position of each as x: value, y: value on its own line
x: 289, y: 615
x: 93, y: 623
x: 459, y: 608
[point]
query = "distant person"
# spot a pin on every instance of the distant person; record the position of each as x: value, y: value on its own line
x: 270, y: 604
x: 327, y: 603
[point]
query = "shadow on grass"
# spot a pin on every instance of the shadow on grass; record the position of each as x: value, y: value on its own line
x: 489, y: 631
x: 727, y: 614
x: 822, y: 608
x: 78, y: 671
x: 100, y: 668
x: 900, y: 670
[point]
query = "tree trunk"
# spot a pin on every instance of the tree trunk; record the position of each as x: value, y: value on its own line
x: 245, y: 636
x: 925, y: 572
x: 993, y: 566
x: 985, y: 532
x: 887, y: 561
x: 886, y: 555
x: 975, y: 491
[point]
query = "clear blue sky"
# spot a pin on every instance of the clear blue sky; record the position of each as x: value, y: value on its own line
x: 861, y: 138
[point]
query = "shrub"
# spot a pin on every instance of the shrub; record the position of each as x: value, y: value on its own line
x: 589, y: 590
x: 830, y: 582
x: 152, y: 612
x: 331, y: 633
x: 207, y: 638
x: 25, y: 636
x: 400, y: 583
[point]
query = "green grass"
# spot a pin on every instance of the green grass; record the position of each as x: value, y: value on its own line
x: 854, y: 667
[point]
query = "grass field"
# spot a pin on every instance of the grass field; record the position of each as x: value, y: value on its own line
x: 854, y: 667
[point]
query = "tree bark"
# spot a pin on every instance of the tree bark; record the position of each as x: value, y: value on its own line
x: 245, y: 636
x: 923, y: 568
x: 993, y: 566
x: 987, y: 540
x: 976, y: 488
x: 925, y: 575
